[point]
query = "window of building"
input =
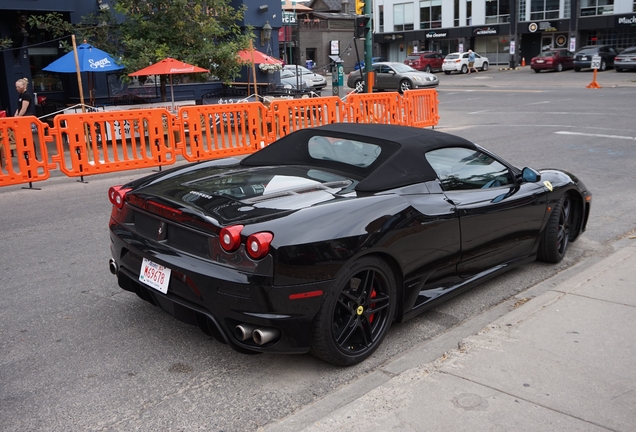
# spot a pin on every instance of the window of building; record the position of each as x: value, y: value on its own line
x: 430, y: 14
x: 546, y: 9
x: 469, y: 12
x: 381, y: 18
x: 597, y: 7
x: 403, y: 18
x: 456, y: 18
x: 522, y: 10
x: 497, y: 11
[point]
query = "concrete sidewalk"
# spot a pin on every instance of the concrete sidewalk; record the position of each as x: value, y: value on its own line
x: 563, y: 359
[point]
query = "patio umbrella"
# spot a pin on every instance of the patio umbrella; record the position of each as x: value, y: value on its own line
x: 169, y: 66
x: 84, y: 58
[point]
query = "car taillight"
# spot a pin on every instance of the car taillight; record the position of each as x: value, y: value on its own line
x: 230, y: 237
x: 116, y: 195
x: 458, y: 60
x: 258, y: 244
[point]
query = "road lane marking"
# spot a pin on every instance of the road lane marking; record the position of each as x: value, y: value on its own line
x: 596, y: 135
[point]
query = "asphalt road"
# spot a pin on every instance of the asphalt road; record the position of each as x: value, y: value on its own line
x: 78, y: 353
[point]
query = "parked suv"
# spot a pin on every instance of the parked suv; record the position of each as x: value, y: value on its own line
x: 425, y: 61
x: 583, y: 57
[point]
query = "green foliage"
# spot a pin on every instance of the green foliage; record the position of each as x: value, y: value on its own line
x: 141, y: 32
x: 201, y: 32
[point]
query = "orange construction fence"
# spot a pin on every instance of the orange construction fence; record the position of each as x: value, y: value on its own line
x: 100, y: 142
x: 23, y: 151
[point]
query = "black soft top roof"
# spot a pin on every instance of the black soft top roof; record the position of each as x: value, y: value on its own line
x: 401, y: 161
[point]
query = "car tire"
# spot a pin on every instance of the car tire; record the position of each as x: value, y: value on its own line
x: 556, y: 235
x: 484, y: 66
x: 577, y: 69
x: 427, y: 69
x: 356, y: 313
x: 559, y: 67
x: 358, y: 86
x: 405, y: 85
x: 619, y: 70
x: 464, y: 69
x: 603, y: 66
x: 447, y: 72
x: 536, y: 70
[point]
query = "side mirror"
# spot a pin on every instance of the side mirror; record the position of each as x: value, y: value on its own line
x: 530, y: 175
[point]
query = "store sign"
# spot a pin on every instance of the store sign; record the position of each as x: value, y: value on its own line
x: 544, y: 26
x: 485, y: 31
x: 435, y: 35
x: 626, y: 20
x: 289, y: 18
x: 560, y: 41
x: 393, y: 37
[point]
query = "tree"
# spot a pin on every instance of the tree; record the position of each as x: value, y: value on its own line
x: 202, y: 32
x: 141, y: 32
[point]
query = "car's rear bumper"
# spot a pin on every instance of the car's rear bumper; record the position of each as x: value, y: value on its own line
x: 217, y: 298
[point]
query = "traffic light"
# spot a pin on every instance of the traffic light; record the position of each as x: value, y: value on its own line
x: 362, y: 26
x: 359, y: 7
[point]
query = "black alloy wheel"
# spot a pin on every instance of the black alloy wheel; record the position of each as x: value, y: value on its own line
x: 356, y: 313
x: 556, y: 236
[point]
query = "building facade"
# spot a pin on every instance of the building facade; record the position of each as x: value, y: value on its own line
x: 505, y: 31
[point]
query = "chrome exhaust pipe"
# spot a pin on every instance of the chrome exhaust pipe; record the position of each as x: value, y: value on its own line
x: 244, y: 331
x: 264, y: 335
x: 112, y: 266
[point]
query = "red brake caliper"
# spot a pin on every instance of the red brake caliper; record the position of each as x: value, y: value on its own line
x: 372, y: 305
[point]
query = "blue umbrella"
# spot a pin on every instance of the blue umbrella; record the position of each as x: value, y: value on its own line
x: 90, y: 58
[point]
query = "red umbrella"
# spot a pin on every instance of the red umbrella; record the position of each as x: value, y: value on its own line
x: 257, y: 57
x: 170, y: 67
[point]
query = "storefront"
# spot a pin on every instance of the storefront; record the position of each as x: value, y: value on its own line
x: 492, y: 41
x: 540, y: 36
x: 615, y: 30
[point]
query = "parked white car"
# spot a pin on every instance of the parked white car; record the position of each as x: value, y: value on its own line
x: 458, y: 62
x: 317, y: 81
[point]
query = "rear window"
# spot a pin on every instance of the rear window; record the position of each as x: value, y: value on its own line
x: 413, y: 57
x: 588, y: 50
x: 452, y: 56
x: 546, y: 54
x: 631, y: 50
x: 345, y: 151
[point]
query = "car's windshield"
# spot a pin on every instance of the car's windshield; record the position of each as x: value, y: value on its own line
x: 402, y: 68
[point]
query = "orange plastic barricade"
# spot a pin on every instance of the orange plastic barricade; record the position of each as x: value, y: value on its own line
x: 221, y: 130
x: 111, y: 141
x: 420, y: 108
x: 373, y: 108
x: 289, y: 115
x: 23, y: 151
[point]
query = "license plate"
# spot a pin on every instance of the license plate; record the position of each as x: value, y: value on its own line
x: 539, y: 61
x: 154, y: 275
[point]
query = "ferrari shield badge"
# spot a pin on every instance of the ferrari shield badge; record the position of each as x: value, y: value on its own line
x: 548, y: 185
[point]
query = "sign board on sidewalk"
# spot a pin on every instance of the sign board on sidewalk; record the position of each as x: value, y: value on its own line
x: 596, y: 62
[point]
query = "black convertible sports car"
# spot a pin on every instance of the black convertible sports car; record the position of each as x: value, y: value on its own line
x: 321, y: 240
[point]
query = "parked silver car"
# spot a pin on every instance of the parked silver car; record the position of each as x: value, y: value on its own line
x: 626, y: 60
x: 393, y: 76
x: 316, y: 81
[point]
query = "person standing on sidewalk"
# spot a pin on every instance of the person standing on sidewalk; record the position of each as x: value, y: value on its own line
x: 25, y: 99
x: 471, y: 61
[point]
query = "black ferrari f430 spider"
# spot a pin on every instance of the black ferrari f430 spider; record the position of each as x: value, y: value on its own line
x: 320, y: 241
